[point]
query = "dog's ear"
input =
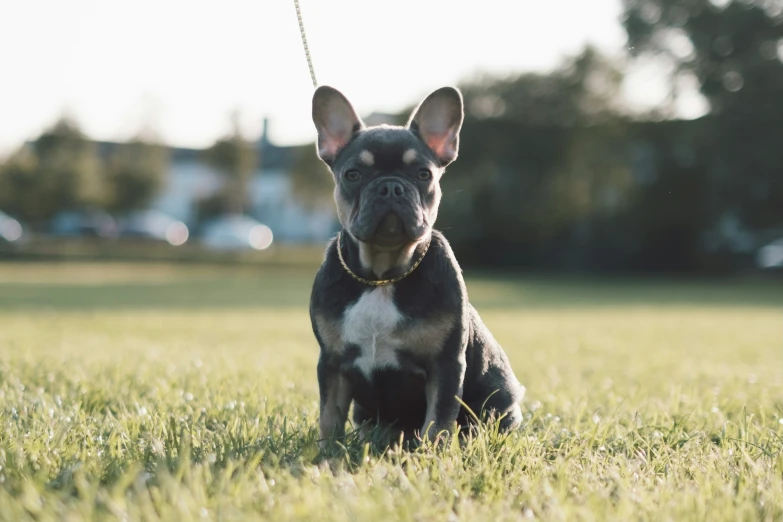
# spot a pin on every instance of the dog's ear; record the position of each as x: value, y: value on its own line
x: 335, y: 120
x: 438, y: 121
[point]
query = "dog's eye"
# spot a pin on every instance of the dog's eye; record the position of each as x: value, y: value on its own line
x: 352, y: 175
x: 424, y: 174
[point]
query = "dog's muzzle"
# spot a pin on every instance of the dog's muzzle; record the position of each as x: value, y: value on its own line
x: 390, y: 213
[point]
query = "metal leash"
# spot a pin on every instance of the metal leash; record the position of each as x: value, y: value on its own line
x: 304, y: 42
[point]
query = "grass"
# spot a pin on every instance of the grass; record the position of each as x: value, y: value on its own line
x: 162, y: 392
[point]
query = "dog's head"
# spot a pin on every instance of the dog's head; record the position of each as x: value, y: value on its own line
x: 387, y: 178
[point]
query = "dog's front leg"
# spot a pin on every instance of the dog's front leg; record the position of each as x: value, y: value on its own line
x: 444, y: 385
x: 336, y: 396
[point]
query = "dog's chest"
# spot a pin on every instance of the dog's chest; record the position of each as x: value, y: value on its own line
x: 372, y: 323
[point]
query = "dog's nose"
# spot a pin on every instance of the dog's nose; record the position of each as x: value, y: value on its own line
x: 390, y: 187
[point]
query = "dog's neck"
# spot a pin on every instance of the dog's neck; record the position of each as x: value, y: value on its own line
x: 380, y: 262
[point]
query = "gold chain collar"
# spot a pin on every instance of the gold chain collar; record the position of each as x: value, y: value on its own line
x: 379, y: 282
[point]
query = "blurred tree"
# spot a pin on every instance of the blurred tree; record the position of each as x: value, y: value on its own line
x: 18, y: 183
x: 236, y: 159
x: 734, y: 48
x: 735, y: 51
x: 134, y: 174
x: 59, y: 171
x: 546, y: 150
x: 593, y: 181
x: 583, y: 90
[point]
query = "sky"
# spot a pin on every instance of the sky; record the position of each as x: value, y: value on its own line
x: 182, y: 67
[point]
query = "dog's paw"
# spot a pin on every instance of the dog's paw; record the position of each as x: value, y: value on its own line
x: 324, y: 444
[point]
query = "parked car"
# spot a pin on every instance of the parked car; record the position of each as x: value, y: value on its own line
x: 10, y: 229
x: 770, y: 256
x: 90, y: 223
x: 236, y: 232
x: 154, y: 225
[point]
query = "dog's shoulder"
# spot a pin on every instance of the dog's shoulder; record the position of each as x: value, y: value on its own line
x: 440, y: 266
x: 445, y: 265
x: 328, y: 273
x: 436, y: 286
x: 332, y: 290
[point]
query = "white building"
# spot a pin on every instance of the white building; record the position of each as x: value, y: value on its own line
x: 270, y: 193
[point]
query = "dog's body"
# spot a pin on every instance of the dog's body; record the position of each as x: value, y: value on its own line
x: 403, y: 350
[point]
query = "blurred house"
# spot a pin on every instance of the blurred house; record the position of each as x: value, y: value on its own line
x: 270, y: 193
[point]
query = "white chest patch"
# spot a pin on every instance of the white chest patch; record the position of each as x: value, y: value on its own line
x: 371, y: 323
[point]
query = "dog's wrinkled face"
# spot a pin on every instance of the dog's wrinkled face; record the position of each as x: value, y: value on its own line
x: 382, y: 198
x: 387, y: 178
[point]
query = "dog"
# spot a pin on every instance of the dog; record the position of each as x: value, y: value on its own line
x: 389, y: 307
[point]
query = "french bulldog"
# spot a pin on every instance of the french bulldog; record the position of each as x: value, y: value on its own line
x: 389, y: 308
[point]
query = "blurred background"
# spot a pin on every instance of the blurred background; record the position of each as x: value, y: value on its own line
x: 611, y: 136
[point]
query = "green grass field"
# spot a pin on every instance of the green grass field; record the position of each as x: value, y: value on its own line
x: 163, y: 392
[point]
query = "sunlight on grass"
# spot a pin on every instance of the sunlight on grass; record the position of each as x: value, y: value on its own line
x: 194, y: 398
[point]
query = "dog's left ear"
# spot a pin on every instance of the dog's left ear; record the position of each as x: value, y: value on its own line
x: 438, y: 120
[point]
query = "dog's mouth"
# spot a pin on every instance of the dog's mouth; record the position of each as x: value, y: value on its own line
x: 387, y: 222
x: 390, y: 232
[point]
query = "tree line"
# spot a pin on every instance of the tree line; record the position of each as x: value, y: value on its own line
x: 554, y: 173
x: 64, y: 170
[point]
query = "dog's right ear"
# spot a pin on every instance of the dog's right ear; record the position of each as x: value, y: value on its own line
x: 335, y: 120
x: 438, y: 121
